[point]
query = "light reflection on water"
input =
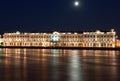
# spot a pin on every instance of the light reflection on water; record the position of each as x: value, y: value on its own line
x: 17, y: 64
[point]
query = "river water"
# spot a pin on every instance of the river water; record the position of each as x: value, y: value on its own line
x: 18, y: 64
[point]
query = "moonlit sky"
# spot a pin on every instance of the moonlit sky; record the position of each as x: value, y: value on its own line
x: 59, y: 15
x: 76, y: 3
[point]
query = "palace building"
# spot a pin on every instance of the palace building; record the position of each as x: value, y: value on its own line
x: 1, y: 40
x: 61, y: 39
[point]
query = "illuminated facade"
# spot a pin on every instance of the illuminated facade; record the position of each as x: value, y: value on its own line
x: 1, y: 40
x: 58, y: 39
x: 117, y: 43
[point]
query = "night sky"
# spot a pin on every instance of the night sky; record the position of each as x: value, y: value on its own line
x: 59, y: 15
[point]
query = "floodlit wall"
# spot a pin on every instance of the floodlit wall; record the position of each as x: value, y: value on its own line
x: 85, y: 39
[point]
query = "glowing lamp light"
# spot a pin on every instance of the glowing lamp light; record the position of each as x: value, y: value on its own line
x: 55, y: 38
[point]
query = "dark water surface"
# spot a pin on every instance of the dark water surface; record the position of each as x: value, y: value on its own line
x: 59, y: 65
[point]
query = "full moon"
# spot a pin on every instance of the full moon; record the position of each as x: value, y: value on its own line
x: 76, y: 3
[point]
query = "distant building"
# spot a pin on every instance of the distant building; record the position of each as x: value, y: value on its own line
x: 117, y: 43
x: 85, y: 39
x: 1, y: 40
